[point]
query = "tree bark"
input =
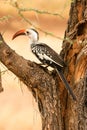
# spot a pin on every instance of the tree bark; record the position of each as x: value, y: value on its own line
x: 58, y: 110
x: 75, y: 53
x: 39, y: 81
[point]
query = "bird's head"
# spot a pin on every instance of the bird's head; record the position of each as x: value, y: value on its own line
x: 31, y: 33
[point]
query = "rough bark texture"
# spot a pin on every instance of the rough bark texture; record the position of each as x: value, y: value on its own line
x: 75, y: 53
x: 58, y: 110
x: 39, y: 81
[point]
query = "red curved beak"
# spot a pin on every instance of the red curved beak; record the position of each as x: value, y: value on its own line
x: 18, y: 33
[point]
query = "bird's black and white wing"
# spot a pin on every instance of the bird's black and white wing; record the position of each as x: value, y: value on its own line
x: 47, y: 55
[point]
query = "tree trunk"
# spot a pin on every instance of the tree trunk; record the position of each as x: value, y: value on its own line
x: 75, y: 54
x: 58, y: 110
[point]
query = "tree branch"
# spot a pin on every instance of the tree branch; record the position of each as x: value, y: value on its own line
x: 42, y: 84
x: 23, y: 68
x: 27, y: 20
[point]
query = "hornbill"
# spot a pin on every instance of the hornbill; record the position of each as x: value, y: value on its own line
x: 45, y: 54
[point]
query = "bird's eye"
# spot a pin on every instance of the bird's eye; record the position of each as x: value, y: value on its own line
x: 27, y: 32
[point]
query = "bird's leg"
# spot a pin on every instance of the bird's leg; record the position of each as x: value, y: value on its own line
x: 46, y: 66
x: 43, y: 65
x: 40, y: 64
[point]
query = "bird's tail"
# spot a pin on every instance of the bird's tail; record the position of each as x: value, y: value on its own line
x: 60, y: 73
